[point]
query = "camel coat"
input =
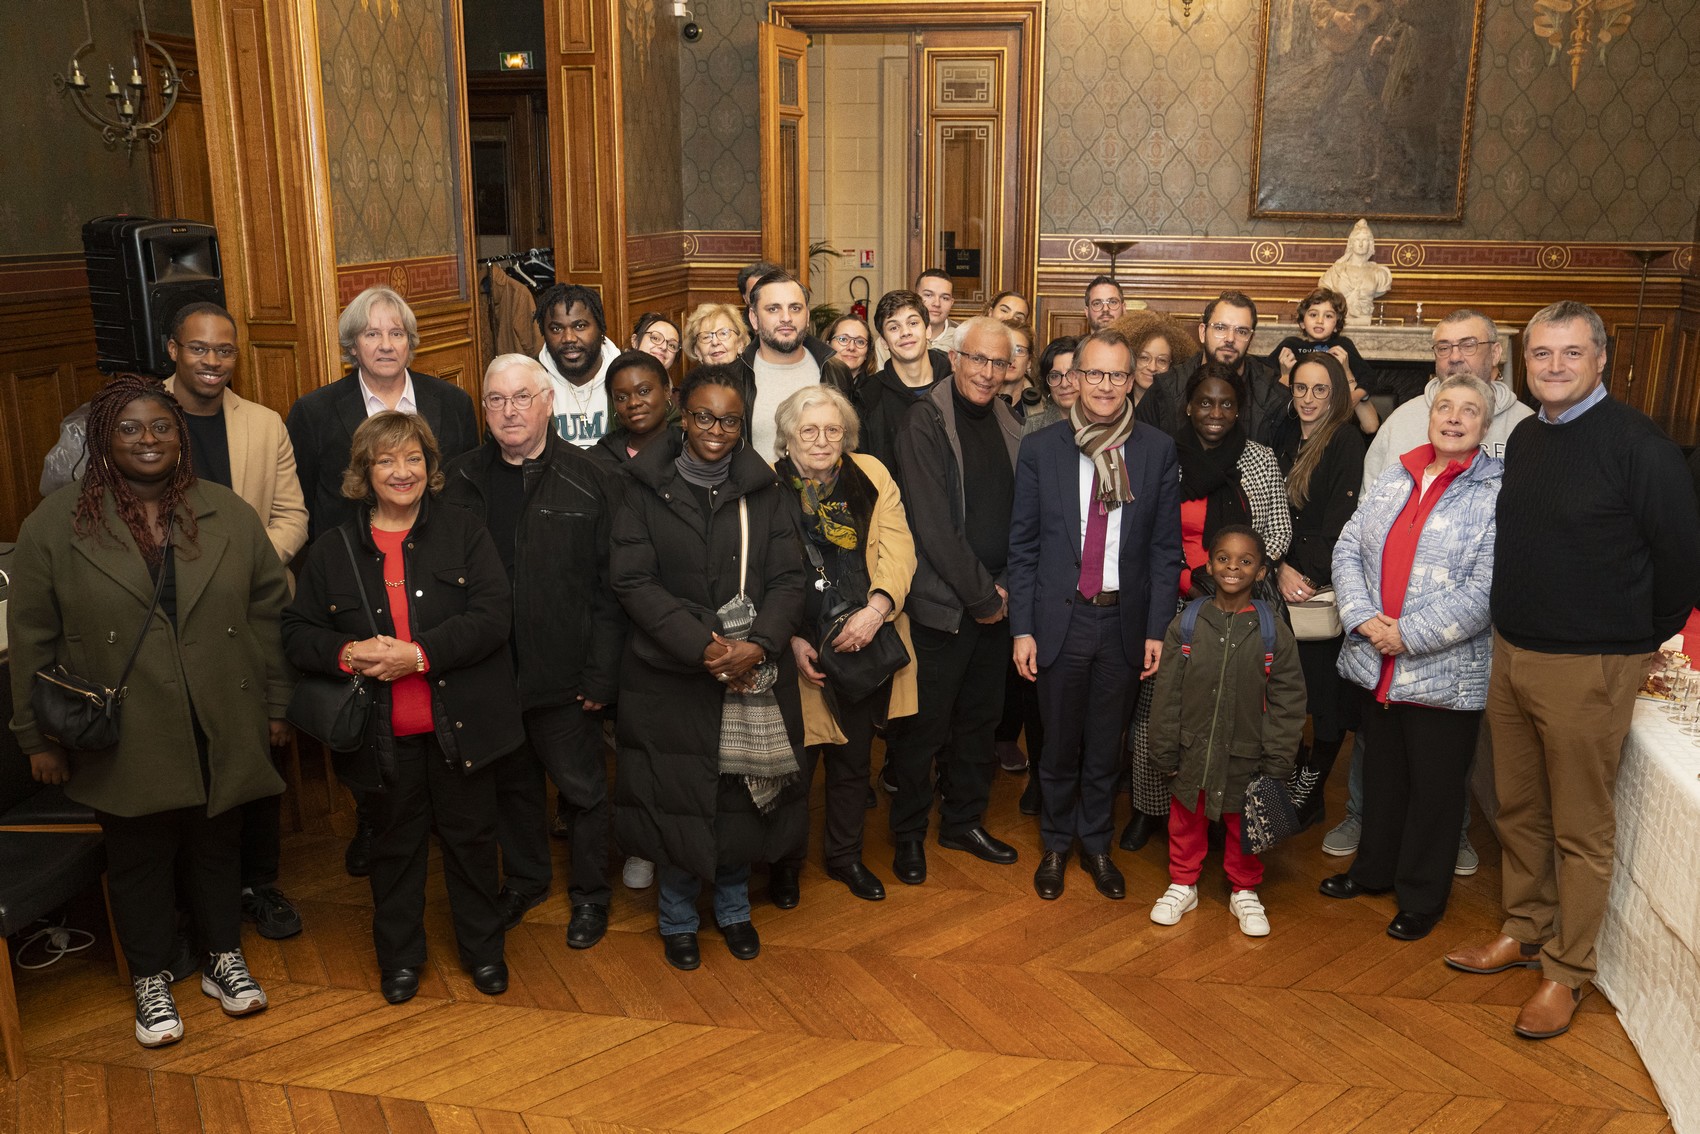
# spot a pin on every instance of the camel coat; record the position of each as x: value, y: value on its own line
x: 891, y: 567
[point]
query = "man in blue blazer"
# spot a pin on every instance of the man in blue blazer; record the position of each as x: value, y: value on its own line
x: 1094, y: 552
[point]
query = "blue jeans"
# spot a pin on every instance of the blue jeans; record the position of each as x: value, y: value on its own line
x: 676, y: 901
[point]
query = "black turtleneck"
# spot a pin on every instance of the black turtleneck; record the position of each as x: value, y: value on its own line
x: 988, y: 482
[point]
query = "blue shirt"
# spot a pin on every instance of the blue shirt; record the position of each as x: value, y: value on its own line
x: 1577, y: 410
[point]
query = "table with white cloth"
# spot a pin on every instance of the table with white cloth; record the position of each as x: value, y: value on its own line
x: 1649, y: 946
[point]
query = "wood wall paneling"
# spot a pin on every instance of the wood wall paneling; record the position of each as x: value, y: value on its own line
x: 47, y: 369
x: 182, y: 187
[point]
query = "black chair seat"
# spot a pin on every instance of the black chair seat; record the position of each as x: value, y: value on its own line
x: 48, y: 806
x: 39, y: 873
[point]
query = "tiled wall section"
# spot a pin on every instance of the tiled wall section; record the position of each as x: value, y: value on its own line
x: 849, y: 190
x: 718, y: 116
x: 1148, y: 129
x: 649, y: 66
x: 389, y: 105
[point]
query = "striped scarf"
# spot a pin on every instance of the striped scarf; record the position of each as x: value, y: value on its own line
x: 1101, y: 442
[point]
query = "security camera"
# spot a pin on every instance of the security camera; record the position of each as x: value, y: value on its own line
x: 691, y: 31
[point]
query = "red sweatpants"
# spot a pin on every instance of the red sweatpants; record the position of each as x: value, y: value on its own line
x: 1189, y: 838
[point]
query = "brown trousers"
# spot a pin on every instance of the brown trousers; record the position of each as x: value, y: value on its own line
x: 1558, y: 721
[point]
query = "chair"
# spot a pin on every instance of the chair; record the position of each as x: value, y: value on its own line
x: 50, y: 852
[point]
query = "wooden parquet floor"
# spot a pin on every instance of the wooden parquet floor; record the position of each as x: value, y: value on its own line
x: 965, y: 1004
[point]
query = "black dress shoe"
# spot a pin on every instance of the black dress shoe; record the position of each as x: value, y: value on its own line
x: 1342, y: 886
x: 872, y: 801
x: 491, y: 980
x: 1139, y: 830
x: 979, y: 843
x: 357, y: 859
x: 862, y: 882
x: 589, y: 922
x: 782, y: 888
x: 1030, y: 795
x: 1106, y: 875
x: 399, y: 985
x: 514, y: 905
x: 682, y: 951
x: 909, y: 862
x: 1412, y: 926
x: 1048, y: 879
x: 742, y: 940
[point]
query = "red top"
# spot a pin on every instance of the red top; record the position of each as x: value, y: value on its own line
x: 1193, y: 555
x: 1399, y: 550
x: 410, y: 696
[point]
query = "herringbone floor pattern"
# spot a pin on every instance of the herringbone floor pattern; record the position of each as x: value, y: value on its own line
x: 964, y: 1004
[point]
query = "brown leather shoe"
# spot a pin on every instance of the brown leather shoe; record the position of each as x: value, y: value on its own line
x: 1548, y: 1012
x: 1495, y: 957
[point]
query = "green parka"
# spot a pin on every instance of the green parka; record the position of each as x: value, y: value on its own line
x: 79, y: 600
x: 1215, y: 719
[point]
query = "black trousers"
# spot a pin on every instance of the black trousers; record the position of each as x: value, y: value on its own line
x: 960, y: 679
x: 1022, y: 712
x: 430, y: 789
x: 143, y: 856
x: 847, y: 768
x: 1416, y: 767
x: 1088, y: 695
x: 565, y: 743
x: 262, y: 839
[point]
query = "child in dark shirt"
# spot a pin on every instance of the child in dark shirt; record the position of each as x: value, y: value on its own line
x: 1321, y: 314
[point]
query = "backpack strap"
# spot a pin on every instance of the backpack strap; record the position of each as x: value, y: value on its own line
x: 1189, y: 623
x: 1266, y: 627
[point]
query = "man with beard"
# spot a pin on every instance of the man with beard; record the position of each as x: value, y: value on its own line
x: 576, y: 353
x: 1226, y: 329
x: 783, y: 358
x: 1104, y: 303
x: 242, y: 445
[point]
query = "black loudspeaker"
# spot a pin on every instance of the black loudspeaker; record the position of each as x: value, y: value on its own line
x: 142, y: 272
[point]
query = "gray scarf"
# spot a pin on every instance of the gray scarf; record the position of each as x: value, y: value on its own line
x: 703, y: 474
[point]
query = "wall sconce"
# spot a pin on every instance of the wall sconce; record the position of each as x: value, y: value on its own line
x: 125, y: 122
x: 1185, y: 13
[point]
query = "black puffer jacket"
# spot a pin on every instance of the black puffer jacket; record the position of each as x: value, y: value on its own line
x: 570, y: 629
x: 882, y: 399
x: 673, y: 567
x: 460, y: 613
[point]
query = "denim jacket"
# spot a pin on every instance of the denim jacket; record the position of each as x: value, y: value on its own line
x: 1444, y: 623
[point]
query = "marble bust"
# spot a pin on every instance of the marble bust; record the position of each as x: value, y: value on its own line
x: 1357, y: 278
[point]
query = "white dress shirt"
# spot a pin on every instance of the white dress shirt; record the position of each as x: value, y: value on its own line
x: 375, y: 404
x: 1112, y: 531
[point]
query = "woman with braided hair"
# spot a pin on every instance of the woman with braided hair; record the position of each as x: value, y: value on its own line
x: 206, y: 692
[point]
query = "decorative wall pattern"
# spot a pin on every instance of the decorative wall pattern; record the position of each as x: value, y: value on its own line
x: 649, y: 64
x: 717, y: 116
x: 1148, y: 128
x: 389, y: 114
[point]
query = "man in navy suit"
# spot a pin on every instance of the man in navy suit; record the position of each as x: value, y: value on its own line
x: 1094, y: 551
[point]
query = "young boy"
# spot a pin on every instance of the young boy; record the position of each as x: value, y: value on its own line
x: 1321, y: 315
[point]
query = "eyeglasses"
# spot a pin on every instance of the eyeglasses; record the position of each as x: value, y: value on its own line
x: 854, y: 342
x: 1061, y: 377
x: 724, y: 334
x: 731, y: 423
x: 1321, y: 391
x: 1116, y: 378
x: 1465, y: 347
x: 812, y: 433
x: 164, y: 427
x: 1236, y: 332
x: 661, y: 342
x: 500, y: 402
x: 201, y: 350
x: 1154, y: 362
x: 1104, y: 304
x: 981, y: 362
x: 1018, y: 351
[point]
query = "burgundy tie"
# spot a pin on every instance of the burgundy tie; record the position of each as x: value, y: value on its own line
x: 1092, y: 555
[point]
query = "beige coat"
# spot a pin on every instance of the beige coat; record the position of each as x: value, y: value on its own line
x: 891, y: 566
x: 262, y: 470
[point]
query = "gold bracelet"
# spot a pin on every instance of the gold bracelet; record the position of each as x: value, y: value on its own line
x: 419, y: 654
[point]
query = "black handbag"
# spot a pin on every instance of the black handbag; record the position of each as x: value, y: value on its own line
x: 851, y: 676
x: 82, y: 715
x: 336, y: 711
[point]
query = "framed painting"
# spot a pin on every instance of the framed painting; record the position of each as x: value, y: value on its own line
x: 1363, y: 108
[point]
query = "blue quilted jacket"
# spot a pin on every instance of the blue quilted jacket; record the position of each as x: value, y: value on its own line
x: 1445, y: 624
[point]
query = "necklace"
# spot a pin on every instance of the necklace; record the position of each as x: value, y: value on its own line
x: 373, y: 516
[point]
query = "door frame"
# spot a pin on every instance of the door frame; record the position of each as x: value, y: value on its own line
x: 820, y: 16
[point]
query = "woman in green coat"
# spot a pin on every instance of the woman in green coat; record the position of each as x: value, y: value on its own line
x: 208, y: 688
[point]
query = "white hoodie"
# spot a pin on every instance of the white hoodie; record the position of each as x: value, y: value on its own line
x: 581, y: 412
x: 1407, y: 427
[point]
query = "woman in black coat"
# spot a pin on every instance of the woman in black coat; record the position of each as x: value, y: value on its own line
x: 675, y: 566
x: 447, y: 706
x: 1321, y: 453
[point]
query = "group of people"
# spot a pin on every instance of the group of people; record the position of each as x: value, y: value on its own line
x: 906, y: 530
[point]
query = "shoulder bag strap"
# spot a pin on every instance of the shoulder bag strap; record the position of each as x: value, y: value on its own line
x: 743, y: 544
x: 147, y: 619
x: 358, y: 585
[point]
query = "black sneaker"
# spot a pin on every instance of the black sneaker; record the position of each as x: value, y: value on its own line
x: 227, y: 980
x: 274, y: 915
x: 157, y: 1021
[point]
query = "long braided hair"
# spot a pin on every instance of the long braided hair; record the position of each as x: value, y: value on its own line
x: 102, y: 476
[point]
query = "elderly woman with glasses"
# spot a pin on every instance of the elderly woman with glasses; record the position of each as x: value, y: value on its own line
x: 706, y: 562
x: 857, y: 539
x: 715, y: 334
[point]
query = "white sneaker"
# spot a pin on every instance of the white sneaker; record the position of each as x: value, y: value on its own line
x: 638, y: 873
x: 227, y: 980
x: 157, y: 1021
x: 1176, y: 900
x: 1245, y: 906
x: 1468, y: 861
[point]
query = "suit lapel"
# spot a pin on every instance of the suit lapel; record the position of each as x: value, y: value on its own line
x: 196, y: 569
x: 113, y: 551
x: 236, y: 431
x: 351, y: 407
x: 1068, y: 480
